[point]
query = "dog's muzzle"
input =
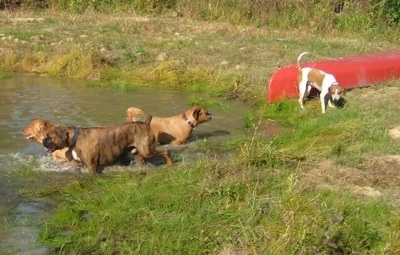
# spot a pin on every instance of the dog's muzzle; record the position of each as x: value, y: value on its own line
x: 336, y: 97
x: 30, y: 137
x: 49, y: 145
x: 209, y: 116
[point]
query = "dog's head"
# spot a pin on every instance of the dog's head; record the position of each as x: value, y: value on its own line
x: 336, y: 92
x: 133, y: 114
x: 37, y: 130
x: 57, y: 138
x: 200, y: 114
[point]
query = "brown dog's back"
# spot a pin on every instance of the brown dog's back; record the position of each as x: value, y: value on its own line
x: 101, y: 146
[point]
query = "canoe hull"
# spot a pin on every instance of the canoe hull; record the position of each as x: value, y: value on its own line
x: 350, y: 72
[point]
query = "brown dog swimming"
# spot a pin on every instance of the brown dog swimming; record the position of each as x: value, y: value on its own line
x: 37, y: 130
x: 176, y: 129
x: 101, y: 146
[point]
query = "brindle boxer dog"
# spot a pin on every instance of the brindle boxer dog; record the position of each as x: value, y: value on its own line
x: 37, y: 130
x: 176, y: 129
x: 101, y: 146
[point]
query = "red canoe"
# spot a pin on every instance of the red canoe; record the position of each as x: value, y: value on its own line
x: 350, y: 72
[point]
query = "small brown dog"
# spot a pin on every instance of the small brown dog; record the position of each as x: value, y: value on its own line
x: 38, y: 130
x: 101, y: 146
x: 176, y: 129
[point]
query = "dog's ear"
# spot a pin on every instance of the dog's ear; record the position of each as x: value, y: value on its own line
x: 331, y: 90
x: 62, y: 133
x: 64, y: 136
x: 196, y: 113
x: 47, y: 125
x: 148, y: 119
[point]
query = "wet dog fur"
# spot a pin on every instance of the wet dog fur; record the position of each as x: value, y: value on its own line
x: 101, y: 146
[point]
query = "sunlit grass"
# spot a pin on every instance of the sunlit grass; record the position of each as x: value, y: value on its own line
x: 209, y: 208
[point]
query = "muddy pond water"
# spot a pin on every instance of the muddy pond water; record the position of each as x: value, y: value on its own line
x: 72, y: 102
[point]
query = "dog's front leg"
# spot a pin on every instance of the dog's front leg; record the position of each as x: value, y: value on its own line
x: 324, y: 100
x: 301, y: 101
x: 167, y: 157
x: 92, y: 169
x: 330, y: 103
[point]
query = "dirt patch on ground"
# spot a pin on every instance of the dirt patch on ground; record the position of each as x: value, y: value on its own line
x: 376, y: 177
x: 394, y: 133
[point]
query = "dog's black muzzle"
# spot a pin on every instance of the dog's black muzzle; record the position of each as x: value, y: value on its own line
x: 49, y: 145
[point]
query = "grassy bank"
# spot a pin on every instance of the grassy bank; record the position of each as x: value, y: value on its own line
x: 216, y: 209
x: 124, y: 51
x: 327, y: 185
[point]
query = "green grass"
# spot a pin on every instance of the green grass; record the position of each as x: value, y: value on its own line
x: 342, y: 133
x: 211, y: 207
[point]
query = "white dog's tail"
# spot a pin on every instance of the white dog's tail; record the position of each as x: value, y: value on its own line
x: 298, y: 59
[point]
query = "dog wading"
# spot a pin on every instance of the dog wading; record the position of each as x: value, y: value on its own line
x: 102, y: 146
x: 176, y: 129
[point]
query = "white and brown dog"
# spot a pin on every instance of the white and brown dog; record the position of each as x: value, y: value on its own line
x: 326, y: 83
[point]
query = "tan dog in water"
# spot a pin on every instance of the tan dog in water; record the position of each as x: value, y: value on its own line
x: 101, y: 146
x: 176, y: 129
x: 38, y: 130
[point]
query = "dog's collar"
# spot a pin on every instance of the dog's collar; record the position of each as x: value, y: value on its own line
x: 334, y: 83
x: 75, y: 138
x: 190, y: 123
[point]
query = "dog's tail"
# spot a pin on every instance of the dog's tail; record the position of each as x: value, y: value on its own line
x: 298, y: 59
x: 148, y: 119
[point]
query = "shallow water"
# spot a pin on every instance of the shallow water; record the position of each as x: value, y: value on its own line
x: 71, y: 102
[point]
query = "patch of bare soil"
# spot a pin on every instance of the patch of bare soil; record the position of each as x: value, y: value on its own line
x: 376, y: 177
x: 394, y: 133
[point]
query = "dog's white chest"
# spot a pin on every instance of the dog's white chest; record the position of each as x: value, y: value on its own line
x: 75, y: 156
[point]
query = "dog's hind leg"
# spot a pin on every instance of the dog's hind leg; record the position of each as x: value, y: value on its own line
x: 167, y: 156
x: 151, y: 152
x: 304, y: 91
x: 139, y: 159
